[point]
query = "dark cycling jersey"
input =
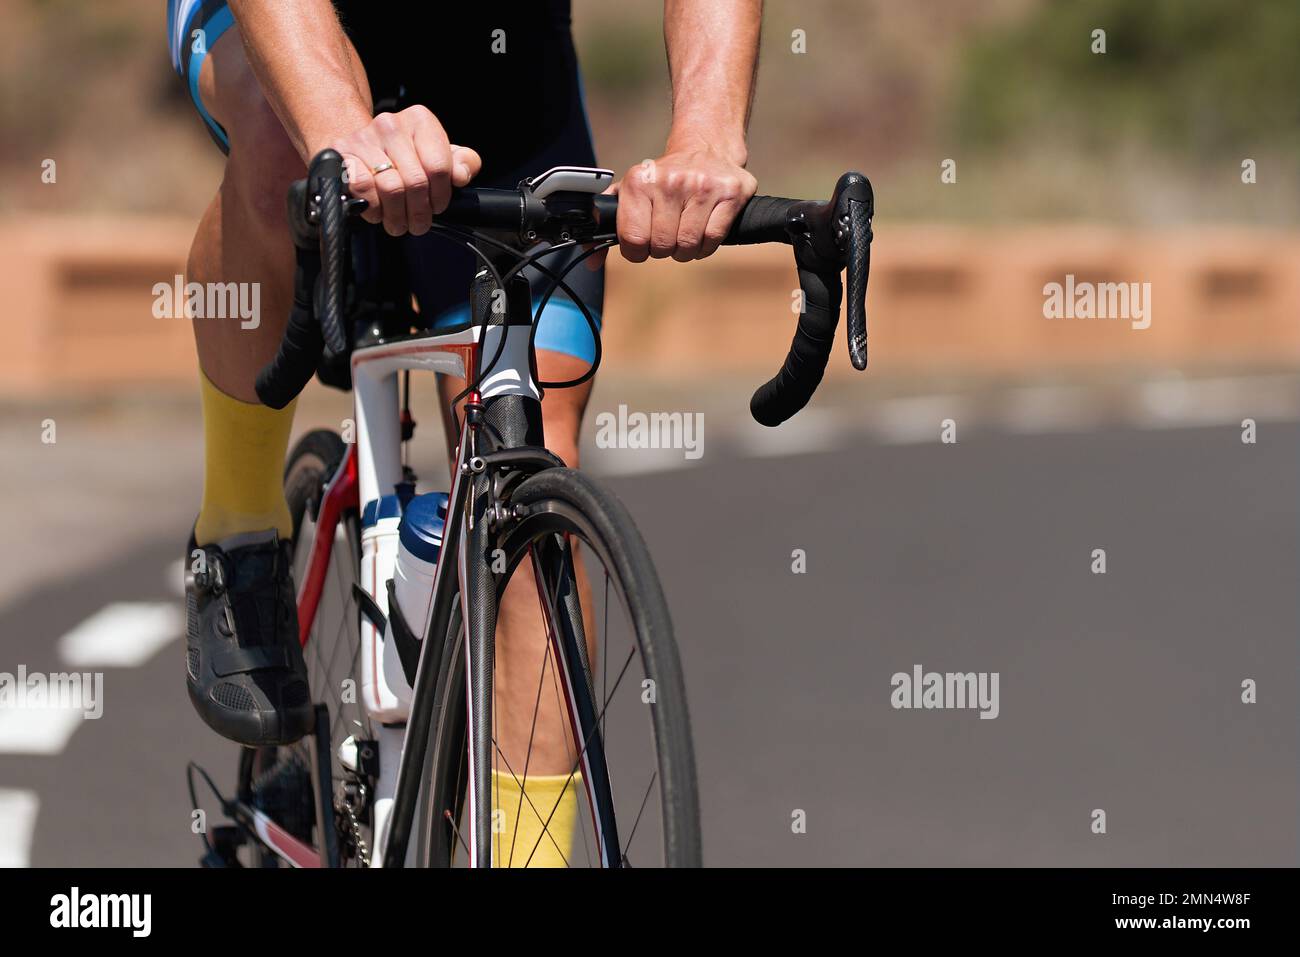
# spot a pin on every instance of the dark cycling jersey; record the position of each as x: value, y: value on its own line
x: 462, y: 61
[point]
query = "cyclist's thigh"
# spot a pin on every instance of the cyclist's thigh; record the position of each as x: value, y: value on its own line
x: 208, y: 54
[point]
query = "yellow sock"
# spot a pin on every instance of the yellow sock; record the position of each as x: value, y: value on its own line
x: 512, y: 846
x: 244, y: 445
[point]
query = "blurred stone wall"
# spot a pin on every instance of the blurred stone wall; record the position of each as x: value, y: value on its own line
x: 80, y: 304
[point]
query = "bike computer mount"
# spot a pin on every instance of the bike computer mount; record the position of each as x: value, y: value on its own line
x: 557, y: 204
x: 569, y: 179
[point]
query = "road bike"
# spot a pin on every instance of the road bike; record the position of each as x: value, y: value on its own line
x: 399, y: 769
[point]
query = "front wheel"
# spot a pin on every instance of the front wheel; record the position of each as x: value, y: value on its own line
x: 607, y: 707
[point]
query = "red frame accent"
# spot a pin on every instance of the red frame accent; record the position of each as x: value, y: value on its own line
x: 343, y: 492
x: 299, y: 853
x: 340, y: 494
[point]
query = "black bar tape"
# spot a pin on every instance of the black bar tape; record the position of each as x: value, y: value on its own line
x: 300, y: 350
x: 790, y: 389
x: 761, y: 221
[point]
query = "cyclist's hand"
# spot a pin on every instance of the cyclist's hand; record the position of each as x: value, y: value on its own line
x: 680, y: 205
x: 425, y: 168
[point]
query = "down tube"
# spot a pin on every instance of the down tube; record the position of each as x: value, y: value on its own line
x: 479, y: 611
x: 414, y: 747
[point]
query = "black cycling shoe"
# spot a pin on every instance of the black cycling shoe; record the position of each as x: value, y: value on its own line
x: 246, y: 674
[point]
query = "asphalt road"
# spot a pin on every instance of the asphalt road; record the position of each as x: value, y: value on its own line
x: 1119, y: 691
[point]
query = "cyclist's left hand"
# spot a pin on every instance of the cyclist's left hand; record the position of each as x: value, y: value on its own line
x: 680, y: 205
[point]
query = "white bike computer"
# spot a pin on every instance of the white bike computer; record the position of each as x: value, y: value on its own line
x: 571, y: 179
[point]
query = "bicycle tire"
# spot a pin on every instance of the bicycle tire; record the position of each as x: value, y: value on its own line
x: 561, y: 498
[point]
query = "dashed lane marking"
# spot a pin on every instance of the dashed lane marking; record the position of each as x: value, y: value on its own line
x: 18, y: 811
x: 124, y: 634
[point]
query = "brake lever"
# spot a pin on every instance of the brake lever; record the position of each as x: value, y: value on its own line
x: 329, y: 205
x: 855, y: 205
x: 859, y: 269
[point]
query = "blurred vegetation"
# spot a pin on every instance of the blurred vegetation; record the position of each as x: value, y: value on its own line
x: 1193, y: 76
x: 90, y: 85
x: 1153, y: 131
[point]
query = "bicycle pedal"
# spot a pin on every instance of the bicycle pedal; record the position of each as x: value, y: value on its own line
x: 227, y: 839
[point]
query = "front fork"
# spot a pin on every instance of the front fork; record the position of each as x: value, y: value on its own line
x: 495, y: 430
x: 495, y: 426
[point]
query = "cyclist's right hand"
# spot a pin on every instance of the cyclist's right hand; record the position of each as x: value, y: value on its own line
x: 425, y: 167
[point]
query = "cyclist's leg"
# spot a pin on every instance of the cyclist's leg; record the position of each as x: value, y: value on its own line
x: 239, y: 680
x: 243, y: 238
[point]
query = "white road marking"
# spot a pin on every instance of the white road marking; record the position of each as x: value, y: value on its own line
x: 1226, y: 401
x: 635, y: 461
x: 174, y: 576
x: 917, y: 419
x: 37, y: 730
x: 1024, y: 410
x: 17, y: 822
x: 1038, y: 409
x: 811, y: 431
x: 124, y: 634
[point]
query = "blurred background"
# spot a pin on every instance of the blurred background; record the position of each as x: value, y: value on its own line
x: 1170, y: 159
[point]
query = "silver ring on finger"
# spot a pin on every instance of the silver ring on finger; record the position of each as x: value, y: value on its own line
x: 385, y: 165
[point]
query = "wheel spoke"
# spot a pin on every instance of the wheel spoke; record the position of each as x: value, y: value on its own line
x: 644, y: 798
x: 568, y: 522
x: 455, y: 830
x: 586, y: 744
x: 522, y: 797
x: 604, y: 657
x: 568, y: 744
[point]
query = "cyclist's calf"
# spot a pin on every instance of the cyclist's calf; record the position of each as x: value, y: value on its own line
x: 243, y: 236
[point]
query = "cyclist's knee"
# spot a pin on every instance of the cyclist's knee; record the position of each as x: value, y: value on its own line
x: 261, y: 166
x: 562, y: 424
x: 262, y: 161
x: 562, y: 409
x: 565, y: 447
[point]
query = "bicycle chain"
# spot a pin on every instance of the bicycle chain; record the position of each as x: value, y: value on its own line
x: 358, y: 842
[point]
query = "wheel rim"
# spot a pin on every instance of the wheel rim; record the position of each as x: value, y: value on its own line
x: 625, y: 725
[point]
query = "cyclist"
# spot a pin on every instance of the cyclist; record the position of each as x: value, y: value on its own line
x: 489, y: 92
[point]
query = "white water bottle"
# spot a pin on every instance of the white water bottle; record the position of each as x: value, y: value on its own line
x: 379, y: 529
x: 419, y: 540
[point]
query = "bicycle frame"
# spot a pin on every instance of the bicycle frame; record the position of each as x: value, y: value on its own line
x: 371, y: 466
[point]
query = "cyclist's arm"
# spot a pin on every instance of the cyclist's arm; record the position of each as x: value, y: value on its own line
x: 683, y: 204
x: 713, y: 59
x: 304, y: 63
x: 309, y: 74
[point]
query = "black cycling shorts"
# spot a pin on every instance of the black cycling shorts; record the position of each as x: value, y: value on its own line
x: 501, y: 78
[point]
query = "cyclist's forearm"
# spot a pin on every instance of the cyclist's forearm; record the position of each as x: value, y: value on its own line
x: 304, y: 64
x: 712, y: 57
